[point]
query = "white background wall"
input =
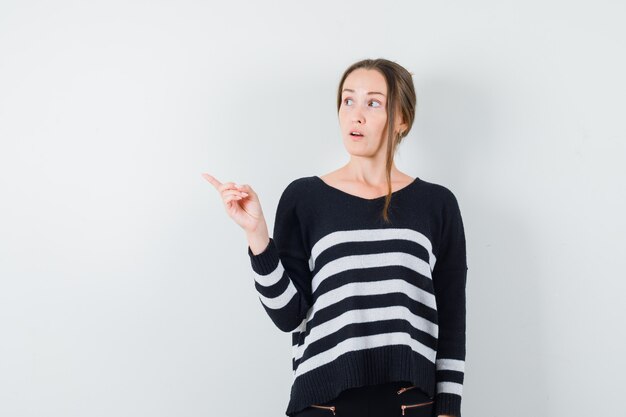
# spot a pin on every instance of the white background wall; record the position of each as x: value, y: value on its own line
x: 125, y: 290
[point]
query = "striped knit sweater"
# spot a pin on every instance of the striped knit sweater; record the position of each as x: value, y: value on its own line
x: 367, y: 302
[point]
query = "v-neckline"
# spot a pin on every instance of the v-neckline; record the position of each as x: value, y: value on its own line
x: 409, y: 185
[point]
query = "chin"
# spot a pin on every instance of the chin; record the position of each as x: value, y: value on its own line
x: 356, y: 149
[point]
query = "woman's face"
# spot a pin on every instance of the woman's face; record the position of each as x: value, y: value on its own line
x: 363, y: 108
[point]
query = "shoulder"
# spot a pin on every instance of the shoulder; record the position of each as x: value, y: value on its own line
x: 441, y: 196
x: 301, y: 184
x: 297, y: 193
x: 297, y: 188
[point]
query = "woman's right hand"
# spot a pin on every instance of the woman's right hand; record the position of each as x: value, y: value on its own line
x: 241, y: 202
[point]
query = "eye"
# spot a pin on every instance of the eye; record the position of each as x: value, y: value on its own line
x: 373, y: 101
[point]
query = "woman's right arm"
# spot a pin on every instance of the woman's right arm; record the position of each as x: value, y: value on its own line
x: 280, y: 264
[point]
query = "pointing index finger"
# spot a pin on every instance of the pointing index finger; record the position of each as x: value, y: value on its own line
x: 214, y: 182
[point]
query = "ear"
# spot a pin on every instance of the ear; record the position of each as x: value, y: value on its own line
x: 401, y: 126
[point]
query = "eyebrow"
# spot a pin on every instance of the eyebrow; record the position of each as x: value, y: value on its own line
x: 371, y: 92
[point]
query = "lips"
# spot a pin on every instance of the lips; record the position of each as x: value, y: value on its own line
x: 356, y: 133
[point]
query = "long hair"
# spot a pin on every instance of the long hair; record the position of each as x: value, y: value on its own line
x: 400, y: 97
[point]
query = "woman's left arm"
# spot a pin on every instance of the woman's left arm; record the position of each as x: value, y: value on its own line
x: 449, y: 280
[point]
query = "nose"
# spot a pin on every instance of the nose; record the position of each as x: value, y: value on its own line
x: 357, y: 118
x: 356, y: 115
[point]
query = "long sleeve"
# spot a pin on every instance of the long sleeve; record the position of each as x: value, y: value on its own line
x: 449, y: 280
x: 281, y: 272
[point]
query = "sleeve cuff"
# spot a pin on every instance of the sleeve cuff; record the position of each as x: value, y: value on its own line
x: 448, y: 404
x: 266, y: 261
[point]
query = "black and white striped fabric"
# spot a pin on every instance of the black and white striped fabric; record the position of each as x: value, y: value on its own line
x: 368, y: 302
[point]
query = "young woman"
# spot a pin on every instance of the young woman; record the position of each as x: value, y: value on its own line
x: 366, y: 268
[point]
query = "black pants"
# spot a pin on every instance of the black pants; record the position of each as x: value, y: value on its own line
x: 384, y: 400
